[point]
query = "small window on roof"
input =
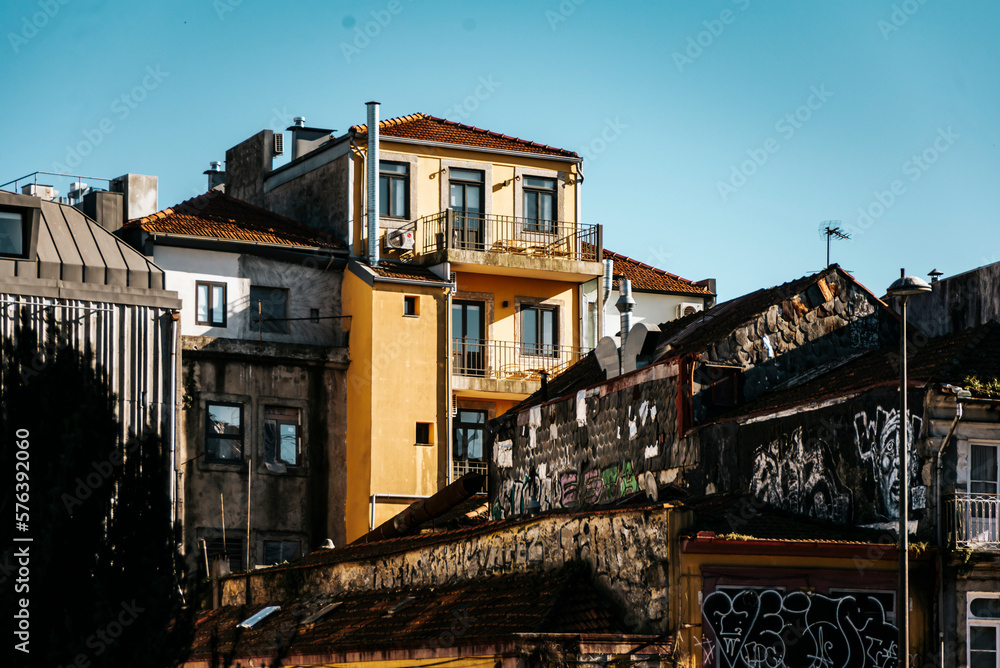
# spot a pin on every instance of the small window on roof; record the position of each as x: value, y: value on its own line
x: 13, y: 234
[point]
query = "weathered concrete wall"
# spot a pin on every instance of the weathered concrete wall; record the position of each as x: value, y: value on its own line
x: 319, y: 198
x: 305, y: 503
x: 839, y: 462
x: 593, y: 448
x: 956, y: 303
x: 246, y: 165
x: 628, y: 553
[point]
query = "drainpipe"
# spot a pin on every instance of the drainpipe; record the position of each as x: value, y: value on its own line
x: 940, y: 558
x: 449, y: 369
x: 625, y: 304
x: 175, y: 317
x: 372, y: 185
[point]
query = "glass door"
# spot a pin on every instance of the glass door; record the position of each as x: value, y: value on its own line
x: 466, y: 200
x: 983, y: 488
x: 468, y: 338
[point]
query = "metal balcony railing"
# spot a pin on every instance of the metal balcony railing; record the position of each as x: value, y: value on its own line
x: 506, y: 360
x: 509, y: 235
x: 460, y: 467
x: 972, y: 520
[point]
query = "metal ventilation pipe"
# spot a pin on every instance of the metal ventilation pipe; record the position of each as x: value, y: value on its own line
x: 216, y: 177
x: 372, y: 182
x: 625, y: 304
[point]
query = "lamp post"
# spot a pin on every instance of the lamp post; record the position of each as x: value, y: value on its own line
x: 904, y: 287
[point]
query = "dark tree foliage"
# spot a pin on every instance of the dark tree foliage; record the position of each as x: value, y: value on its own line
x: 104, y: 565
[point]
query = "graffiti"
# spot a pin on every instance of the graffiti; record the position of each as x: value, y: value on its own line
x: 771, y: 629
x: 789, y: 474
x: 876, y: 438
x: 565, y: 490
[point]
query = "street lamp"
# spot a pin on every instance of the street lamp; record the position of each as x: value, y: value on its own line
x: 904, y: 287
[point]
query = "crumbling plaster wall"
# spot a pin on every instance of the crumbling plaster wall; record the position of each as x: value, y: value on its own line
x: 628, y: 553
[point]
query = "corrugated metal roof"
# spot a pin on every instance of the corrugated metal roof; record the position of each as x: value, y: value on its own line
x: 75, y: 249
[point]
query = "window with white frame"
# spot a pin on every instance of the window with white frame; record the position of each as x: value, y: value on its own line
x: 984, y: 485
x: 393, y: 189
x: 539, y: 204
x: 983, y: 629
x: 282, y: 429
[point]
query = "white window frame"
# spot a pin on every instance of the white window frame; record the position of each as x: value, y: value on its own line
x: 978, y: 622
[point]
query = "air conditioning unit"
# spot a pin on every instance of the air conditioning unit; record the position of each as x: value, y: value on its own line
x: 687, y: 308
x: 399, y: 239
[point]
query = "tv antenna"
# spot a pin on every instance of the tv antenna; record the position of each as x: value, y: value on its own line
x: 831, y: 228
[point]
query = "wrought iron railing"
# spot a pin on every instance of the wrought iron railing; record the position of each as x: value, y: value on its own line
x: 460, y: 467
x: 508, y: 235
x: 506, y: 360
x: 973, y: 520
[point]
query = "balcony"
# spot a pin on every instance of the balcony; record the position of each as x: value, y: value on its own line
x: 972, y: 521
x: 460, y: 467
x: 506, y: 360
x: 509, y: 243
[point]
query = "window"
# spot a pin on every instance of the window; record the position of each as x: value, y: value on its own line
x: 393, y: 189
x: 984, y: 475
x: 539, y: 331
x: 723, y: 385
x: 224, y: 437
x: 211, y: 303
x: 277, y: 551
x: 232, y: 551
x: 268, y: 310
x: 470, y: 433
x: 411, y: 305
x: 281, y: 438
x: 539, y: 204
x: 983, y: 630
x: 424, y: 433
x: 13, y: 234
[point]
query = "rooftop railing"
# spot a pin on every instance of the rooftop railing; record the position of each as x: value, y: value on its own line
x: 972, y: 520
x: 506, y: 360
x: 508, y: 234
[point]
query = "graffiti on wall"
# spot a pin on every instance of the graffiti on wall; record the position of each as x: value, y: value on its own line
x: 800, y: 471
x: 771, y: 629
x: 565, y: 489
x: 877, y: 437
x: 791, y: 475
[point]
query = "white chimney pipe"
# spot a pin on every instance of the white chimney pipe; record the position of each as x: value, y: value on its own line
x: 625, y: 304
x: 372, y: 185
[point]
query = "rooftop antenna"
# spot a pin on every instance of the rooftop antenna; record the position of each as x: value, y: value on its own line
x: 831, y: 228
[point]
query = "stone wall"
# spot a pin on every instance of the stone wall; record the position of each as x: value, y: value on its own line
x: 593, y: 448
x: 247, y: 164
x: 627, y: 551
x: 319, y: 198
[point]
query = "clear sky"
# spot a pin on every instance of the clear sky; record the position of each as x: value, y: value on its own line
x: 717, y: 135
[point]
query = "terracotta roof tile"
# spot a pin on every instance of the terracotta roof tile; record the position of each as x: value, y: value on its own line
x: 216, y: 215
x: 431, y: 128
x: 646, y: 278
x: 488, y: 609
x: 413, y: 272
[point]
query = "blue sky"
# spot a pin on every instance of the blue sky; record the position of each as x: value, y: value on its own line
x: 717, y: 135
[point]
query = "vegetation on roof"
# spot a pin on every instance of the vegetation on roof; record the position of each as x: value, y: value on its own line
x: 988, y: 387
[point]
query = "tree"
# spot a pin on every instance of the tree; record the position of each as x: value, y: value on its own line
x: 103, y: 562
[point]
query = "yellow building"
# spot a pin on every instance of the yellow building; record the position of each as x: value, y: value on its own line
x: 465, y: 287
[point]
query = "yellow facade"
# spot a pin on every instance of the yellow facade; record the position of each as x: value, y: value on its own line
x: 406, y: 369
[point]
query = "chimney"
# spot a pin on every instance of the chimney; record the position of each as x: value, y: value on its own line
x: 625, y: 304
x: 305, y: 140
x: 139, y: 193
x: 372, y: 185
x: 709, y: 284
x: 105, y: 208
x: 216, y: 176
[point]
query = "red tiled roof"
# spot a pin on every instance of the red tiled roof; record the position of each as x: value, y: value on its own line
x: 488, y: 609
x: 412, y: 272
x: 431, y: 128
x: 216, y: 215
x: 650, y: 279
